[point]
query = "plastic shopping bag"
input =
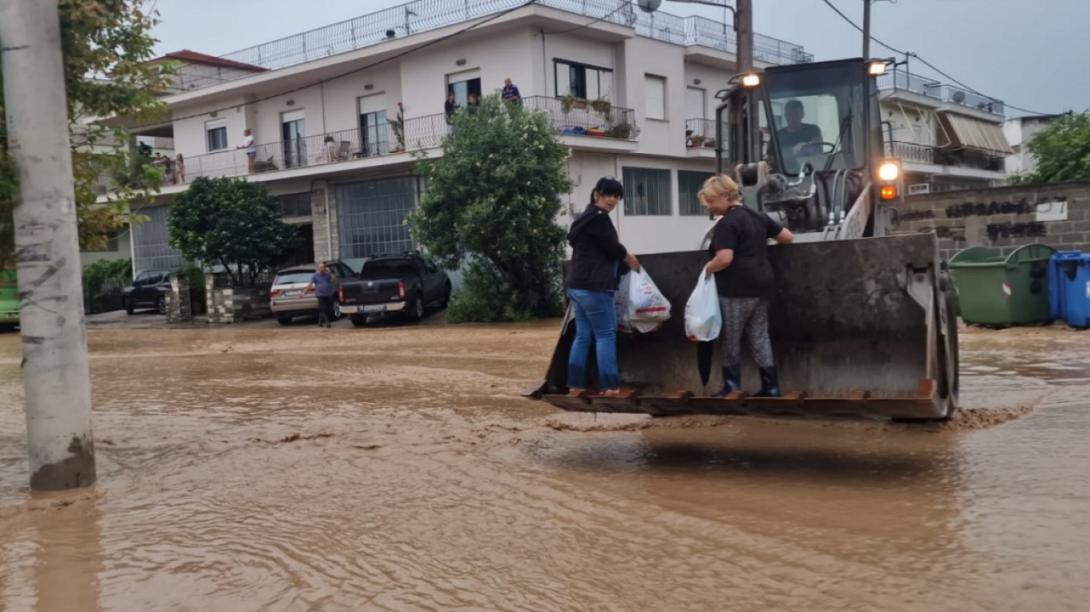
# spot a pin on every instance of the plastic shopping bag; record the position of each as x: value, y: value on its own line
x: 702, y: 317
x: 639, y: 303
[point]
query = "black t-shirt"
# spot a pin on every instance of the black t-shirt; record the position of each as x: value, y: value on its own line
x: 746, y: 232
x: 807, y: 133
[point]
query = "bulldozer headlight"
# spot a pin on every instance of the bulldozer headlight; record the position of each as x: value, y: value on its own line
x: 751, y: 80
x: 888, y: 192
x: 876, y: 68
x: 889, y: 171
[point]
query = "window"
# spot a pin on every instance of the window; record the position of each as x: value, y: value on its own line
x: 292, y: 131
x: 646, y: 191
x: 688, y: 185
x: 294, y: 205
x: 216, y: 132
x: 582, y: 80
x: 463, y: 84
x: 374, y: 133
x: 654, y: 91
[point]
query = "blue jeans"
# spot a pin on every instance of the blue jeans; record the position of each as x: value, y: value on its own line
x: 595, y: 319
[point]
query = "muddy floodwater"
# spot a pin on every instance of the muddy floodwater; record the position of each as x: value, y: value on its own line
x: 257, y: 468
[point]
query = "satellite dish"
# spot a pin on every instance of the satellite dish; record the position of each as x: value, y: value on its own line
x: 649, y: 6
x: 959, y: 96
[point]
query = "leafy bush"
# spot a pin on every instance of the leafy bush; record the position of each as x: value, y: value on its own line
x: 486, y: 296
x: 102, y: 283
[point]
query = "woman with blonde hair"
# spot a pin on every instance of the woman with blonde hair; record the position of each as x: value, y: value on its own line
x: 745, y: 279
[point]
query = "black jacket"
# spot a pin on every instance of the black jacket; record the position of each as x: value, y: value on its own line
x: 596, y: 252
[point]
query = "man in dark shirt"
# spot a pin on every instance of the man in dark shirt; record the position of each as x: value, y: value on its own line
x: 510, y: 92
x: 321, y: 282
x: 796, y: 138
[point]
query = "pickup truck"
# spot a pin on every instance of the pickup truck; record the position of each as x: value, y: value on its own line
x: 394, y: 284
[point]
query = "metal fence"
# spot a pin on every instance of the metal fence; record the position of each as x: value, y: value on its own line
x: 151, y: 247
x: 942, y: 156
x: 700, y: 133
x: 426, y: 15
x: 934, y: 89
x: 910, y: 151
x: 585, y: 118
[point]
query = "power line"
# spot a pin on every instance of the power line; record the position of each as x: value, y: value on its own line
x: 924, y: 61
x: 354, y: 70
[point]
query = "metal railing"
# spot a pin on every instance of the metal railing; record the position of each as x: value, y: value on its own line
x: 700, y: 133
x: 944, y: 156
x: 934, y: 89
x: 586, y: 118
x: 328, y: 148
x: 427, y: 15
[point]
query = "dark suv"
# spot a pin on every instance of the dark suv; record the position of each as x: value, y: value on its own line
x: 148, y: 290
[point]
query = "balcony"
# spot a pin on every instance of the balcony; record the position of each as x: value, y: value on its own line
x: 590, y: 124
x: 903, y: 81
x: 913, y: 153
x: 428, y: 15
x: 700, y: 137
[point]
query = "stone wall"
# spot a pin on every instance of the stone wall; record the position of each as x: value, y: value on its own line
x: 179, y: 304
x: 1057, y: 215
x: 325, y: 225
x: 227, y: 304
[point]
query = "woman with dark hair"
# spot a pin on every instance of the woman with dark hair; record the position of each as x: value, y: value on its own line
x: 590, y: 284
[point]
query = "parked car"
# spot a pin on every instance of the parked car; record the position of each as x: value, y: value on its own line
x: 9, y: 300
x: 148, y: 290
x: 394, y: 284
x: 289, y: 299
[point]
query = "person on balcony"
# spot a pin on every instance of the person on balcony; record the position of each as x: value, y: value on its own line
x: 450, y: 107
x: 510, y: 92
x: 329, y: 151
x: 250, y: 147
x: 179, y: 169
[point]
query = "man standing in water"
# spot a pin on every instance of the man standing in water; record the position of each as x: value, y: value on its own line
x: 322, y: 285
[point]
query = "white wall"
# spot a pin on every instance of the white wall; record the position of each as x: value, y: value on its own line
x: 189, y: 136
x: 911, y: 123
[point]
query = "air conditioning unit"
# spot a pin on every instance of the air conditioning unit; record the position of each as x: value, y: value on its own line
x: 919, y: 188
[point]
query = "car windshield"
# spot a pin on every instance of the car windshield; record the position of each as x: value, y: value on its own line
x: 387, y: 268
x: 816, y: 117
x: 290, y: 278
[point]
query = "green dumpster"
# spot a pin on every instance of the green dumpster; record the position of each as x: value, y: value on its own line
x: 1000, y: 291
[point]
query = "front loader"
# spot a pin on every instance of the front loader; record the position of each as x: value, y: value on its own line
x: 862, y: 324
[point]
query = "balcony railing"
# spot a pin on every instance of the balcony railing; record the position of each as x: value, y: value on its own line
x: 586, y: 118
x: 329, y: 148
x: 934, y: 89
x: 942, y: 156
x: 700, y: 133
x: 426, y: 15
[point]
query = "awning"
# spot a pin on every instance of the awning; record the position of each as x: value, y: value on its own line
x: 970, y: 133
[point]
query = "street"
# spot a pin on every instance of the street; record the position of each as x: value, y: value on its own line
x: 253, y: 467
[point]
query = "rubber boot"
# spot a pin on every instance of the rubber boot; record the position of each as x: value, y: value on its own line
x: 732, y: 380
x: 770, y: 383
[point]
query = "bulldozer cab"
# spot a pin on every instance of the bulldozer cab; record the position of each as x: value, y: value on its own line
x: 862, y: 324
x: 805, y: 142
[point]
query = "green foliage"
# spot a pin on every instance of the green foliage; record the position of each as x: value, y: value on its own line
x: 1062, y: 150
x: 102, y: 283
x: 233, y: 223
x: 494, y: 197
x: 106, y: 45
x: 486, y: 296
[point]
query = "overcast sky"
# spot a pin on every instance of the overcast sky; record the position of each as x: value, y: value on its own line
x: 1033, y: 54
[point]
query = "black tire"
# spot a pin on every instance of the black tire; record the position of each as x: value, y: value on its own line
x: 161, y: 305
x: 128, y: 306
x: 337, y: 314
x: 358, y: 320
x: 283, y: 320
x: 415, y: 310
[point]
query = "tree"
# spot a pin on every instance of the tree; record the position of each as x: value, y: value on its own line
x: 492, y: 200
x: 233, y: 223
x: 1062, y: 151
x: 106, y: 44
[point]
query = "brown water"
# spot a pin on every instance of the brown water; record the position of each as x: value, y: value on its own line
x: 395, y: 468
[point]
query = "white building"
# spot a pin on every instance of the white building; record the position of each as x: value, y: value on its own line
x: 947, y: 138
x: 337, y: 112
x: 1018, y: 132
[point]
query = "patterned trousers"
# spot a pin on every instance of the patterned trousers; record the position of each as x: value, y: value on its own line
x: 748, y: 318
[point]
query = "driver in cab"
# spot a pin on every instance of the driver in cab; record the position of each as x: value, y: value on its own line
x: 796, y: 138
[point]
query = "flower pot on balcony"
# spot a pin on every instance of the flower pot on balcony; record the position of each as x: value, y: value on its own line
x: 601, y: 106
x: 621, y: 130
x: 696, y: 140
x: 579, y: 103
x: 597, y: 132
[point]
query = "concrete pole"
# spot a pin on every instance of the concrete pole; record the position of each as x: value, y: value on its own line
x: 54, y: 340
x: 866, y: 29
x: 743, y: 24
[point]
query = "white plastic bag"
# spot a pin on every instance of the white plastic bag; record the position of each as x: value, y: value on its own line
x: 639, y: 303
x: 703, y: 319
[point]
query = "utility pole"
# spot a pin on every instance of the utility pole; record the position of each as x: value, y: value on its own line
x: 54, y: 339
x: 866, y: 29
x: 743, y: 25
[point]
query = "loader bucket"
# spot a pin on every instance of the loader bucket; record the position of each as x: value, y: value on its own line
x: 860, y: 328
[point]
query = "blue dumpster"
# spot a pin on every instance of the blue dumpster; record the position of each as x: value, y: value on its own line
x: 1069, y: 287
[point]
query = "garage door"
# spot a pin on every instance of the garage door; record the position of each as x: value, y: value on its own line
x: 150, y: 248
x: 371, y: 216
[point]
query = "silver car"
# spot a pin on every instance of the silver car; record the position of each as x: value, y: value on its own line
x: 289, y: 297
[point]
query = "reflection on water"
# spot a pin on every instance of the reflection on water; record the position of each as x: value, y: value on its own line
x: 416, y: 481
